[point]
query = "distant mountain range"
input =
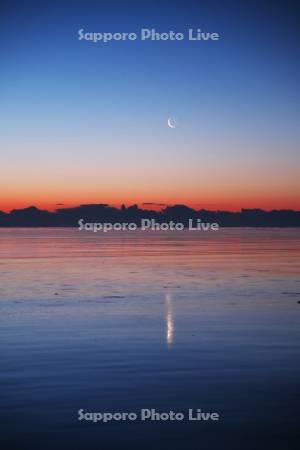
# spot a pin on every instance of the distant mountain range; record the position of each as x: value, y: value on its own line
x: 68, y: 217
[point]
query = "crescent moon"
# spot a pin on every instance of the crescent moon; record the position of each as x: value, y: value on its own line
x: 171, y: 122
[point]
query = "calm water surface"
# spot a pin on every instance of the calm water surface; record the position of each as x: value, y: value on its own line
x: 164, y: 320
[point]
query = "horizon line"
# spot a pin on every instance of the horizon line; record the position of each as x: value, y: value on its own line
x: 161, y: 207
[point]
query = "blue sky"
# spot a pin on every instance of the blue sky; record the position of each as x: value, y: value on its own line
x: 72, y: 109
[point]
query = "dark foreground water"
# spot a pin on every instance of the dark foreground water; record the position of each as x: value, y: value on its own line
x: 163, y: 320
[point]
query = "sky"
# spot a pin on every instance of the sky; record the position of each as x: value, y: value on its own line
x: 84, y: 122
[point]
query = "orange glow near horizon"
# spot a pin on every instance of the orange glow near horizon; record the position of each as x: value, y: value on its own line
x: 209, y: 203
x: 192, y: 186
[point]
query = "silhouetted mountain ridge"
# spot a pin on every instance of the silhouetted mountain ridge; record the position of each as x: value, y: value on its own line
x: 68, y: 217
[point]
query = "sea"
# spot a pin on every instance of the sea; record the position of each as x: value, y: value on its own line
x: 165, y: 321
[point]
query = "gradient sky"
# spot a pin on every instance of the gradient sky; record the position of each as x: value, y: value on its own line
x: 87, y: 123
